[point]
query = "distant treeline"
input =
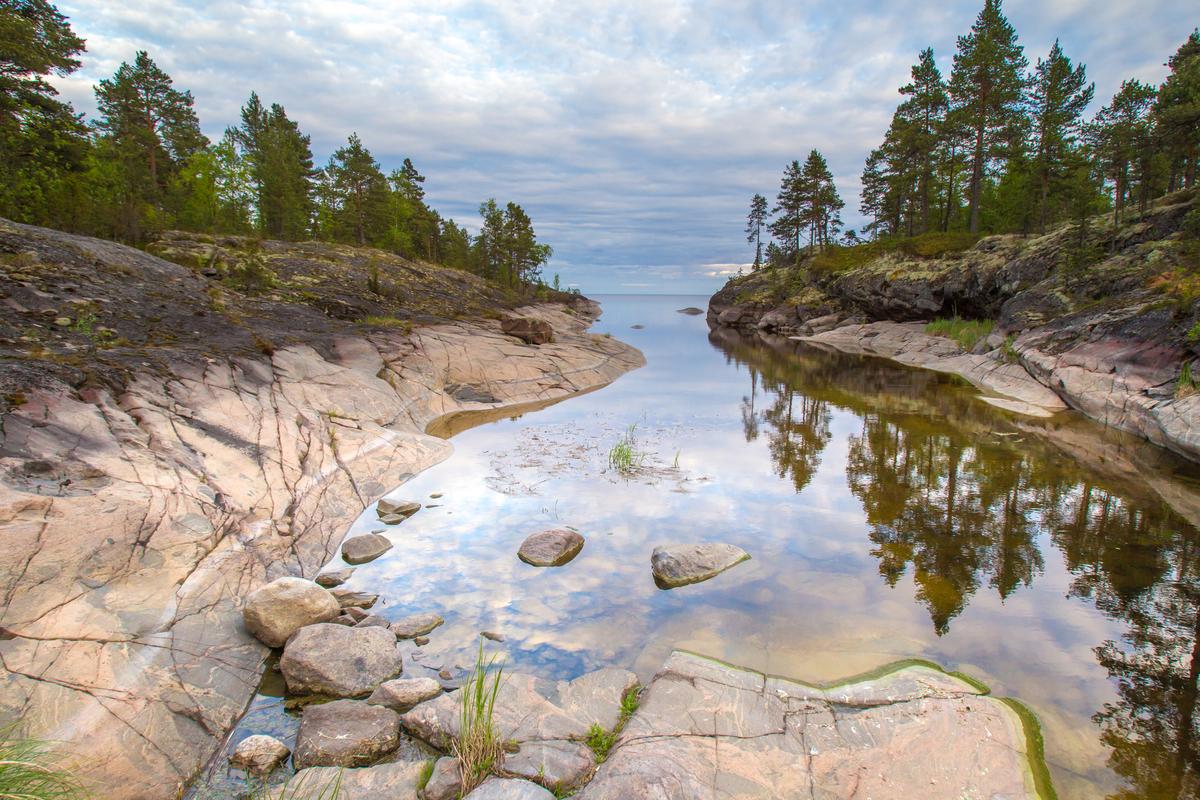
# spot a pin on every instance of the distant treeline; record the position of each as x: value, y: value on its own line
x: 999, y: 148
x: 143, y: 166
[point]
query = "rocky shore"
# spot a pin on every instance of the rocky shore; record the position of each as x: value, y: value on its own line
x: 1116, y: 341
x: 170, y: 444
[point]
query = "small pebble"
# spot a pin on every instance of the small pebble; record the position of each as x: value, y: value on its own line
x: 421, y: 641
x: 446, y: 675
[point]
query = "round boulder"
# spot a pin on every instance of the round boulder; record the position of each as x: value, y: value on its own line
x: 551, y: 548
x: 339, y: 661
x: 679, y: 565
x: 368, y: 547
x: 345, y: 733
x: 285, y: 605
x: 259, y: 754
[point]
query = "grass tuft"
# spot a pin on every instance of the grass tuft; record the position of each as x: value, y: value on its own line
x: 31, y: 770
x: 625, y: 457
x: 967, y: 332
x: 601, y: 741
x: 478, y: 746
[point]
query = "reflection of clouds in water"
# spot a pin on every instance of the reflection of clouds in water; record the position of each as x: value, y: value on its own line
x: 813, y: 602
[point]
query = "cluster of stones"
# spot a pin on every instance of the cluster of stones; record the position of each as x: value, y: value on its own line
x: 336, y: 650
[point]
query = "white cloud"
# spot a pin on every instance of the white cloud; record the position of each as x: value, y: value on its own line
x: 632, y: 133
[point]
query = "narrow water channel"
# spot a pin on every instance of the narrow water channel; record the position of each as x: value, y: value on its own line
x: 889, y: 514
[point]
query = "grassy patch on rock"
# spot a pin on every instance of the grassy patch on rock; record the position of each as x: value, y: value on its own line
x: 966, y: 332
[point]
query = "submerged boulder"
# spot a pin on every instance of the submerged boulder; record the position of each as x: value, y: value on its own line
x: 259, y: 754
x: 551, y: 548
x: 416, y: 625
x: 339, y: 661
x: 403, y: 508
x: 679, y: 565
x: 528, y: 329
x: 691, y: 311
x: 280, y: 608
x: 364, y: 548
x: 345, y: 733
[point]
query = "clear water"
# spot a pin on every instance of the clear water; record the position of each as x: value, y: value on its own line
x: 889, y: 514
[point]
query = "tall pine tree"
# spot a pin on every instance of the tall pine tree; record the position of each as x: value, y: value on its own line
x: 1060, y: 94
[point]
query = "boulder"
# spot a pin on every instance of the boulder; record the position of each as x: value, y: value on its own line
x: 446, y: 781
x: 557, y: 765
x: 259, y: 754
x: 339, y: 661
x: 345, y: 733
x: 679, y: 565
x: 344, y: 619
x: 416, y: 625
x: 550, y: 548
x: 402, y: 694
x: 403, y: 508
x: 528, y: 329
x: 691, y: 311
x: 397, y: 780
x: 730, y: 316
x: 532, y: 709
x: 374, y: 621
x: 364, y: 548
x: 280, y: 608
x: 334, y: 577
x: 779, y: 318
x: 348, y: 598
x: 355, y: 613
x: 509, y: 789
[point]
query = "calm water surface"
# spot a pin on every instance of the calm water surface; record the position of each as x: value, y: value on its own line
x: 889, y: 513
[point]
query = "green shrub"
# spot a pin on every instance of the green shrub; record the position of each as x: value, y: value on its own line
x: 966, y: 332
x: 839, y: 258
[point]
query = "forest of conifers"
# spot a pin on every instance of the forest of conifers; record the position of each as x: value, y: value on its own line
x: 999, y: 148
x: 143, y: 165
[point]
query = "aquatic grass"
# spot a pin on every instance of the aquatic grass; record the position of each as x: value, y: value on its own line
x: 478, y: 745
x: 625, y: 457
x: 966, y: 332
x: 30, y: 769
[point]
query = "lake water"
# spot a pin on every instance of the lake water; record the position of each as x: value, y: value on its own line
x: 889, y: 513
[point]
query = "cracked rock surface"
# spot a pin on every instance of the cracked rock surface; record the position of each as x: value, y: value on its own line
x: 705, y: 729
x: 181, y: 486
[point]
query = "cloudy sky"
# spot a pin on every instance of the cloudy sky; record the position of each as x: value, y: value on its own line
x: 633, y: 133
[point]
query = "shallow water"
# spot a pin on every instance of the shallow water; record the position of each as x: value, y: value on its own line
x: 889, y: 514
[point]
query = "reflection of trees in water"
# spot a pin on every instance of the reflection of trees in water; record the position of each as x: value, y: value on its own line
x: 962, y: 506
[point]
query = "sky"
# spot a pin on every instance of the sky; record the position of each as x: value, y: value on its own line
x: 633, y: 133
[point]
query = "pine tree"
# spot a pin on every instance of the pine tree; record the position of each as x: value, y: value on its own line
x: 820, y: 202
x: 755, y: 221
x: 925, y: 111
x: 874, y: 193
x: 987, y: 87
x: 281, y: 159
x: 1177, y: 113
x: 153, y: 130
x: 786, y: 227
x: 1059, y: 96
x: 359, y: 189
x: 1119, y: 134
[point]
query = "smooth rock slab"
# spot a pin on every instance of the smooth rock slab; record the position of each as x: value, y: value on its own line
x: 285, y: 605
x: 679, y: 565
x: 339, y: 661
x: 349, y: 598
x: 402, y: 694
x: 259, y: 754
x: 551, y: 548
x: 509, y: 789
x: 345, y: 733
x: 916, y: 732
x: 532, y: 709
x: 557, y: 765
x: 394, y: 781
x: 364, y: 548
x: 416, y: 625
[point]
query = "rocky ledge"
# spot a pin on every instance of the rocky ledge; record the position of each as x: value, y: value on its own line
x: 148, y: 485
x: 705, y: 729
x: 1117, y: 339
